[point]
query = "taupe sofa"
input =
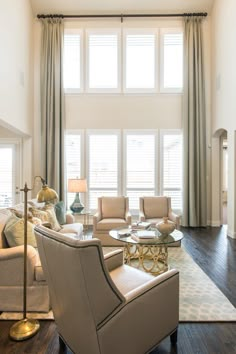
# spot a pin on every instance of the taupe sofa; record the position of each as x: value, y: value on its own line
x: 11, y: 271
x: 103, y: 306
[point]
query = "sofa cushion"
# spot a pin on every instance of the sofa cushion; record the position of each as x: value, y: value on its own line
x: 75, y: 229
x: 155, y: 207
x: 4, y: 216
x: 113, y: 207
x: 14, y: 232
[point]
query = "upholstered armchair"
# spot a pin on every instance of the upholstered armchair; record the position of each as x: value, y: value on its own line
x: 102, y: 306
x: 153, y: 209
x: 112, y: 212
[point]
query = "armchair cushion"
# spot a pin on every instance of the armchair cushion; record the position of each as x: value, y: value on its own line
x: 60, y: 211
x: 113, y: 207
x: 108, y: 224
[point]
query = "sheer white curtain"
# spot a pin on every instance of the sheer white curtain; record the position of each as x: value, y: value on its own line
x: 194, y: 126
x: 52, y: 103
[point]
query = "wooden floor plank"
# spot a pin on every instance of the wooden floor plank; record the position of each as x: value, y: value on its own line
x: 215, y: 253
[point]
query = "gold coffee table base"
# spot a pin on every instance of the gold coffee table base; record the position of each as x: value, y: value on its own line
x: 151, y: 258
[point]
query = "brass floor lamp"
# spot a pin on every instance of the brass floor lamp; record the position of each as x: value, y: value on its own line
x: 27, y: 328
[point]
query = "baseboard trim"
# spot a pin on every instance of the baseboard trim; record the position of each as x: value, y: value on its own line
x: 231, y: 234
x: 215, y: 223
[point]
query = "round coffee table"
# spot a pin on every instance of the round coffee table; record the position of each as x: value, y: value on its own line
x: 147, y: 249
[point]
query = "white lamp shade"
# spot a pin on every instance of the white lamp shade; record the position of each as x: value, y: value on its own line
x: 77, y: 185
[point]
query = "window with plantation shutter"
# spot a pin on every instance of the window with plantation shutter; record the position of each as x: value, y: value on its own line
x: 73, y: 160
x: 140, y: 167
x: 9, y: 174
x: 103, y: 51
x: 171, y: 156
x: 171, y: 60
x: 72, y: 61
x: 140, y: 61
x: 102, y: 166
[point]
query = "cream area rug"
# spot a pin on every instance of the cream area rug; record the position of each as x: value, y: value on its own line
x: 200, y: 298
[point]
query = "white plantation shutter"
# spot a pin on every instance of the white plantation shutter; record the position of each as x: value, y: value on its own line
x: 7, y: 175
x: 72, y: 62
x: 140, y: 61
x: 172, y: 168
x: 103, y: 61
x: 103, y: 167
x: 140, y: 167
x: 73, y: 161
x: 172, y: 61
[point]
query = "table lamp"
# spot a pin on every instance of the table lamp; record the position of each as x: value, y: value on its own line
x: 77, y: 185
x: 27, y: 328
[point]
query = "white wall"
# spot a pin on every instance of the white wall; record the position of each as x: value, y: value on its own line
x: 223, y: 99
x: 16, y: 79
x: 16, y: 95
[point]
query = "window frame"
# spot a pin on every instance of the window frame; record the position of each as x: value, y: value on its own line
x: 162, y: 89
x: 105, y: 31
x: 140, y: 31
x: 82, y: 76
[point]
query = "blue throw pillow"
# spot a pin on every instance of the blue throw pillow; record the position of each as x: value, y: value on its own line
x: 60, y: 211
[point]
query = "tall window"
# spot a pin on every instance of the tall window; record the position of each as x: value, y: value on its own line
x: 102, y: 166
x: 72, y: 61
x: 146, y: 163
x: 103, y: 60
x: 171, y: 60
x: 140, y: 61
x: 171, y: 146
x: 140, y: 167
x: 131, y: 54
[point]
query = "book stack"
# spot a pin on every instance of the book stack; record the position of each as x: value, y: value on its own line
x: 141, y: 225
x: 142, y: 235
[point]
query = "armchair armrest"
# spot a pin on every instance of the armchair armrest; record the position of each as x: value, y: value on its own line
x: 128, y: 217
x: 131, y: 295
x: 141, y: 216
x: 96, y: 218
x: 11, y: 265
x: 174, y: 217
x: 70, y: 219
x: 114, y: 259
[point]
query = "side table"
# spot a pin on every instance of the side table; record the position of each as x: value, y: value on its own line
x: 85, y: 214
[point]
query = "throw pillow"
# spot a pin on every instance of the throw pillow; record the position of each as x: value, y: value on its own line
x: 60, y: 211
x: 47, y: 214
x: 14, y: 232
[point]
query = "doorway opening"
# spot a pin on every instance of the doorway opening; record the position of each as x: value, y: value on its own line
x: 224, y: 177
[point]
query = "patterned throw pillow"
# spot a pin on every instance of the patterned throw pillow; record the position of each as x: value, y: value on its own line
x: 47, y: 214
x: 14, y: 232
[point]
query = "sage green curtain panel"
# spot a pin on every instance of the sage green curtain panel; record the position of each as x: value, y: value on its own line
x: 52, y: 103
x: 194, y: 126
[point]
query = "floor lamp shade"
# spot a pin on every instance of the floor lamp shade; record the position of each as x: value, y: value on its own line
x: 77, y: 185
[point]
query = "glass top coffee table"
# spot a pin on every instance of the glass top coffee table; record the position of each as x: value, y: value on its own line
x: 147, y: 249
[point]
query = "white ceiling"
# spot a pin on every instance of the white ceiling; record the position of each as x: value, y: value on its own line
x: 67, y: 7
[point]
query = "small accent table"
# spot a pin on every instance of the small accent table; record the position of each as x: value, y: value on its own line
x: 151, y: 254
x: 86, y: 214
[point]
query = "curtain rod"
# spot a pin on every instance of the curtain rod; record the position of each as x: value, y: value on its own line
x: 122, y: 16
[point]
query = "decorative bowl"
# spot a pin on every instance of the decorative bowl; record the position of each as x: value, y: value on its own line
x: 166, y: 226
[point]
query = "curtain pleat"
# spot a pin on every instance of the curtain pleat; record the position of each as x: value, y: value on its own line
x: 52, y: 103
x: 194, y: 126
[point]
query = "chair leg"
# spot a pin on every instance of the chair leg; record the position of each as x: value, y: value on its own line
x: 63, y: 348
x: 174, y: 337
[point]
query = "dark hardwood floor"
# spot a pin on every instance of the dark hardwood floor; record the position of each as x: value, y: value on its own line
x: 215, y: 253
